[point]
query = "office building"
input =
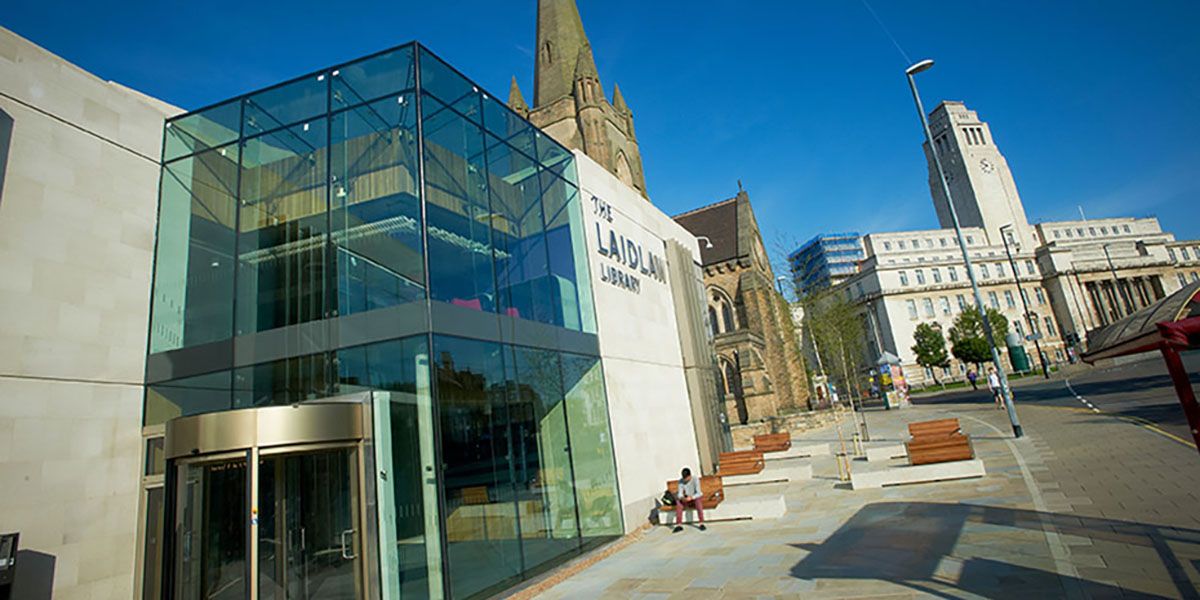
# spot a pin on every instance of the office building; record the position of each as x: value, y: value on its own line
x: 825, y: 261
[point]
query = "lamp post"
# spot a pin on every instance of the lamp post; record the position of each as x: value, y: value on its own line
x: 1033, y: 328
x: 1117, y: 282
x: 962, y: 244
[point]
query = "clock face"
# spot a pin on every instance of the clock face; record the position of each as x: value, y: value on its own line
x: 987, y: 166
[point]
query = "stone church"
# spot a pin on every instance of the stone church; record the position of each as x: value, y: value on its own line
x: 761, y: 369
x: 568, y: 101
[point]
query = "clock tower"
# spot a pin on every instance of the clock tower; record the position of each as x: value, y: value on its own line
x: 985, y: 194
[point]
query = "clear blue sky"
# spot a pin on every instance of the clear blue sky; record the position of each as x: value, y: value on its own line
x: 1094, y: 103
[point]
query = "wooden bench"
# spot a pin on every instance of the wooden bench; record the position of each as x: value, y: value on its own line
x: 773, y: 442
x: 743, y: 462
x: 711, y: 487
x: 938, y: 441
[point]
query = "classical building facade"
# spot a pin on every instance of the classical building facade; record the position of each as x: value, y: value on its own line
x: 569, y: 102
x: 1075, y: 275
x: 758, y: 355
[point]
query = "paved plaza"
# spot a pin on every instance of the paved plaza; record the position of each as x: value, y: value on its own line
x: 1086, y: 505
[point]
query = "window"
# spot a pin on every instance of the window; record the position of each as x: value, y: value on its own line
x: 903, y: 278
x: 1025, y: 296
x: 999, y: 269
x: 887, y: 245
x: 942, y: 241
x: 901, y: 244
x: 1029, y: 267
x: 1079, y: 231
x: 1104, y: 230
x: 1184, y: 253
x: 983, y: 271
x: 1182, y: 278
x: 962, y: 302
x: 1125, y: 228
x: 1009, y: 300
x: 928, y: 243
x: 920, y: 276
x: 1050, y: 326
x: 945, y: 305
x: 1019, y: 329
x: 1058, y: 354
x: 1171, y: 253
x: 912, y: 309
x: 970, y: 240
x: 953, y: 273
x: 712, y: 321
x: 937, y: 275
x: 1195, y: 277
x: 1033, y: 324
x: 927, y: 304
x: 993, y: 300
x: 1068, y: 231
x: 1092, y: 231
x: 1041, y: 296
x: 1057, y: 235
x: 916, y: 244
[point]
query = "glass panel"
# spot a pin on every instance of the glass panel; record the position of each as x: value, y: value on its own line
x: 193, y: 266
x: 376, y: 213
x: 523, y: 284
x: 200, y: 131
x: 503, y: 123
x: 454, y: 90
x: 373, y: 77
x: 152, y: 547
x: 156, y: 459
x: 284, y: 105
x: 409, y: 529
x: 211, y: 524
x: 554, y: 157
x: 458, y: 210
x: 308, y: 536
x: 570, y: 283
x: 286, y: 381
x: 282, y: 226
x: 591, y: 448
x: 481, y: 518
x: 545, y: 485
x: 187, y: 396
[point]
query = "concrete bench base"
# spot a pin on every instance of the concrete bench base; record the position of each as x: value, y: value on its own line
x: 764, y: 503
x: 775, y: 471
x: 960, y: 469
x: 799, y: 451
x: 885, y: 453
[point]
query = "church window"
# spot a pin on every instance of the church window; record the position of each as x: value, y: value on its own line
x: 912, y: 308
x: 727, y: 316
x: 903, y: 278
x: 548, y: 53
x: 712, y: 321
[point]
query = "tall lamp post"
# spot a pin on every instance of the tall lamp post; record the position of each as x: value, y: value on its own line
x: 1033, y: 328
x: 962, y: 244
x: 1117, y: 282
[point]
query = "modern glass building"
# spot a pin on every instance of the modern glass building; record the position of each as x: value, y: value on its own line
x: 825, y: 260
x: 373, y: 368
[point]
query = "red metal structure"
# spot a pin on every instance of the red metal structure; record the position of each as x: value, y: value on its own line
x: 1170, y: 326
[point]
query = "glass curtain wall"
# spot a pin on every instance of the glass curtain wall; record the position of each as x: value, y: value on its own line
x: 376, y: 192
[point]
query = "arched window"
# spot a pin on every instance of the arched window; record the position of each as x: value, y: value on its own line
x: 712, y: 321
x: 720, y: 305
x: 727, y: 316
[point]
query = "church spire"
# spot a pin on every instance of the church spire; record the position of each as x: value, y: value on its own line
x: 585, y: 64
x: 515, y: 100
x: 560, y: 39
x: 619, y: 100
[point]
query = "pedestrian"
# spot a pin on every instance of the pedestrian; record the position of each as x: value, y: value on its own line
x: 994, y: 386
x: 688, y: 492
x: 972, y: 376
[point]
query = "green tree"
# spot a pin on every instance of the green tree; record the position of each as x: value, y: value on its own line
x: 930, y: 348
x: 835, y: 329
x: 967, y: 340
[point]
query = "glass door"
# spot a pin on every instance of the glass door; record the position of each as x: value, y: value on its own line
x: 309, y: 537
x: 210, y: 556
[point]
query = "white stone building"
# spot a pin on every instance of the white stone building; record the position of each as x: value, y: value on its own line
x: 1065, y: 267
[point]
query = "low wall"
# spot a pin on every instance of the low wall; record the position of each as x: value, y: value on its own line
x: 743, y: 435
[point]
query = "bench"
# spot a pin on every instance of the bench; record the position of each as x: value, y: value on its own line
x: 743, y: 462
x: 773, y: 442
x: 938, y: 428
x: 710, y: 485
x: 938, y: 441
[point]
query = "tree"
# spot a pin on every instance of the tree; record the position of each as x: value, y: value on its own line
x: 930, y: 348
x: 967, y: 340
x: 835, y: 328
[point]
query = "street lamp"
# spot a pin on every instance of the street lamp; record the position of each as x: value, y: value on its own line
x: 1033, y: 328
x: 1117, y: 282
x: 707, y: 242
x: 962, y: 244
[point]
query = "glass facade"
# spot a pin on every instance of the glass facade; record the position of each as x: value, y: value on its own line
x: 825, y: 260
x: 388, y: 226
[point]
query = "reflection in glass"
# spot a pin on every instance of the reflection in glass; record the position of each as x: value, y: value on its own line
x: 481, y: 518
x: 545, y: 484
x: 202, y: 130
x: 567, y: 250
x: 522, y: 278
x: 287, y: 381
x: 282, y: 226
x: 458, y: 210
x: 376, y: 213
x: 152, y: 547
x: 286, y: 104
x: 187, y: 396
x: 591, y: 447
x: 373, y: 77
x: 193, y: 276
x: 211, y: 532
x: 444, y: 83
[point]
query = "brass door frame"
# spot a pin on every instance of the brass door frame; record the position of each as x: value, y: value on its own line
x: 272, y: 430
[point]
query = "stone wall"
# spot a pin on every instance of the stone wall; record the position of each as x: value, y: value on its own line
x: 797, y: 423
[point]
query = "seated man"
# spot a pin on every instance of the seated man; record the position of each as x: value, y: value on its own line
x: 688, y: 493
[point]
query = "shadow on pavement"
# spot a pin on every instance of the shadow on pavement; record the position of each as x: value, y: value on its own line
x: 906, y: 542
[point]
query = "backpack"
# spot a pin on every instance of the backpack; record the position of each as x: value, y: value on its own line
x: 668, y: 498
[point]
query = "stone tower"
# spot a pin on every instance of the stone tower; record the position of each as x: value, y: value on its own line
x: 568, y: 101
x: 985, y: 194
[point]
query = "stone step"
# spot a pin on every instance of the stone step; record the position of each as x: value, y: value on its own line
x: 959, y: 469
x: 780, y: 471
x: 885, y: 453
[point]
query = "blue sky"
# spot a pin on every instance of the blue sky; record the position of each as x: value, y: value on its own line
x: 1094, y: 103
